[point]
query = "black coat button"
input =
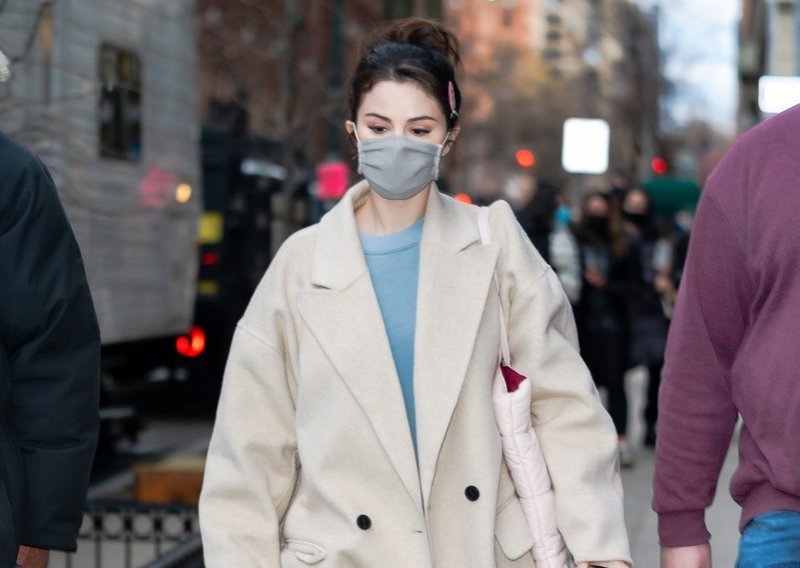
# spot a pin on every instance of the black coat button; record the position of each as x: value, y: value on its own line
x: 472, y: 493
x: 364, y: 522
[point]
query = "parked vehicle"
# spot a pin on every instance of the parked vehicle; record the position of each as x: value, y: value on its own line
x: 105, y: 93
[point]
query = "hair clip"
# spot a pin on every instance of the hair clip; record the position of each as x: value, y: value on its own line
x: 451, y: 95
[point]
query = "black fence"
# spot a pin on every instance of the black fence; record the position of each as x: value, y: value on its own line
x: 124, y: 534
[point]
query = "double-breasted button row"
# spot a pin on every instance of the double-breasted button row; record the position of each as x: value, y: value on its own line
x: 364, y: 522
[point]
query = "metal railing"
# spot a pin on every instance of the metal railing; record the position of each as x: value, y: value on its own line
x: 126, y: 534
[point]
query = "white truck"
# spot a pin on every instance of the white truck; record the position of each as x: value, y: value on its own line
x: 105, y: 93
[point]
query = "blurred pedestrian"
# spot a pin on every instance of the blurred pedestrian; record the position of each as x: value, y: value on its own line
x: 620, y: 184
x: 650, y: 287
x: 733, y: 351
x: 49, y: 366
x: 356, y: 423
x: 601, y: 312
x: 546, y: 219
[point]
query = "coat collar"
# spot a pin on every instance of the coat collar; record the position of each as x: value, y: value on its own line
x: 343, y: 314
x: 339, y: 260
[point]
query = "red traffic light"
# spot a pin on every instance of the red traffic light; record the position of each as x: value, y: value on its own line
x: 525, y: 158
x: 659, y: 166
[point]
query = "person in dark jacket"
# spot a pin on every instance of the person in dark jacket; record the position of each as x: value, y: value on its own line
x: 601, y: 313
x: 650, y: 286
x: 49, y: 367
x: 547, y: 221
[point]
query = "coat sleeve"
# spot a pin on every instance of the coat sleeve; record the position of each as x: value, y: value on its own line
x: 252, y: 464
x: 49, y: 330
x: 576, y: 433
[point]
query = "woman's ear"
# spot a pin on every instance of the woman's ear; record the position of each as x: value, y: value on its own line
x: 352, y: 135
x: 451, y: 139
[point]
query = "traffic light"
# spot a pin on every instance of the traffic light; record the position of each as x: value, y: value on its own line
x: 659, y: 165
x: 525, y: 158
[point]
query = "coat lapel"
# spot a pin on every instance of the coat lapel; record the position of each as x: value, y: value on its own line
x: 455, y: 276
x: 342, y: 313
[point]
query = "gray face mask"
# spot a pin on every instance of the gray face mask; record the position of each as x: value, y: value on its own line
x: 398, y: 167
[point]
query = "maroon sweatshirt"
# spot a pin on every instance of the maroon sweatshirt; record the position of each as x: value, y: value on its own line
x: 734, y: 343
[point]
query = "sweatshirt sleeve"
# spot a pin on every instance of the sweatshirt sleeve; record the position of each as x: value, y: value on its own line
x: 696, y: 411
x: 49, y: 329
x: 576, y: 433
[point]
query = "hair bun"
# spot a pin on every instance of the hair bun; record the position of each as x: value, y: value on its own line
x: 425, y: 33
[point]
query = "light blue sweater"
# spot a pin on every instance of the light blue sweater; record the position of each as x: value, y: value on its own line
x: 393, y: 262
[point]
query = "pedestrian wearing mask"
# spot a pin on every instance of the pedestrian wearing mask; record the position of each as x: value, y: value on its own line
x: 601, y: 312
x: 356, y: 425
x: 547, y: 220
x: 651, y: 286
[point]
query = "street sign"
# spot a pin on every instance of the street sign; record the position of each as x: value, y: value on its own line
x: 778, y: 93
x: 585, y: 147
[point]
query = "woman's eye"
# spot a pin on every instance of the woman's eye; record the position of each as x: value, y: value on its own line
x: 378, y: 129
x: 420, y: 132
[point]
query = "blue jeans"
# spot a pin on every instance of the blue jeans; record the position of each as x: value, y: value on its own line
x: 771, y: 540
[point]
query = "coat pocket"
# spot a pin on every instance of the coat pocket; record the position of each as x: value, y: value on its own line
x: 511, y: 530
x: 304, y: 551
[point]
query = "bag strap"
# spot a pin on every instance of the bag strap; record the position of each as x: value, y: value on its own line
x: 486, y: 238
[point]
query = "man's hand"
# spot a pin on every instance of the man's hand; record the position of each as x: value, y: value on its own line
x: 32, y: 557
x: 697, y: 556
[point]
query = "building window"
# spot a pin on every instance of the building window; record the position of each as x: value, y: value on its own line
x: 120, y: 104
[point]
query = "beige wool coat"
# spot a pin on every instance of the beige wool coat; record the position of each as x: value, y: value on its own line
x: 311, y: 461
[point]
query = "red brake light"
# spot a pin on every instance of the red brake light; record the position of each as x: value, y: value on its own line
x: 209, y: 259
x: 193, y: 344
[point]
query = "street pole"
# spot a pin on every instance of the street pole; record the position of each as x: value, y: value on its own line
x: 335, y: 78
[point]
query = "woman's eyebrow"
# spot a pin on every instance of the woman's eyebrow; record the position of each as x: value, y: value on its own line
x: 415, y: 119
x: 380, y: 116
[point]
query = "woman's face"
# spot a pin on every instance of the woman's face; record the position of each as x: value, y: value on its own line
x: 394, y: 107
x: 596, y: 207
x: 635, y: 202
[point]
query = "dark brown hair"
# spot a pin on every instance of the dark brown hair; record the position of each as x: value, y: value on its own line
x: 616, y: 234
x: 413, y: 49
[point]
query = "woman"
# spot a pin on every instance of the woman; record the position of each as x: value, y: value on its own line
x: 355, y: 425
x: 651, y: 284
x: 601, y: 311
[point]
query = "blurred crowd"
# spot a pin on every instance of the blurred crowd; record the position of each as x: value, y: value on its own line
x: 619, y: 261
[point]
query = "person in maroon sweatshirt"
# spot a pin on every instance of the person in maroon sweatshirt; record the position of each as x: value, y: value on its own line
x: 734, y: 349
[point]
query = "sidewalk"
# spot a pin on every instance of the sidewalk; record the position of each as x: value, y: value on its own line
x: 722, y: 519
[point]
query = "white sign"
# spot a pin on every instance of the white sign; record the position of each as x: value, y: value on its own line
x: 585, y: 149
x: 777, y: 93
